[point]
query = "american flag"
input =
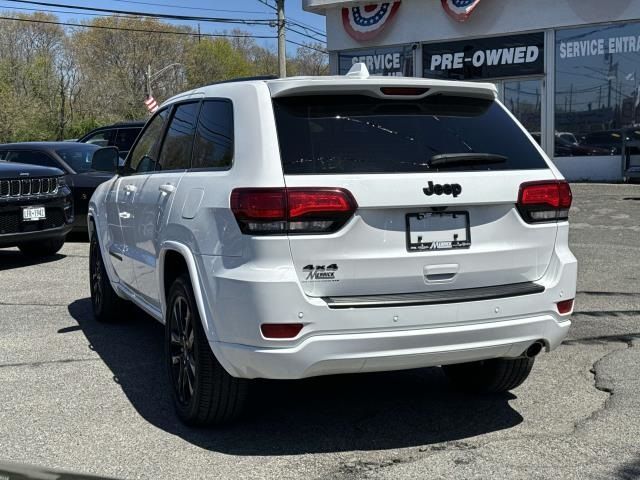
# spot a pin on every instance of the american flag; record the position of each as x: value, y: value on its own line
x: 151, y: 104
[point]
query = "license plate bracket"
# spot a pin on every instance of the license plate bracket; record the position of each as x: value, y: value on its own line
x: 438, y: 231
x: 33, y: 214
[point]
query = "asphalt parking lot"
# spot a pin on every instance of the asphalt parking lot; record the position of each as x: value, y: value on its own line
x: 86, y: 397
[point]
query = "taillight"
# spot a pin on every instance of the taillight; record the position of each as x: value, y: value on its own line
x: 272, y: 211
x: 546, y: 201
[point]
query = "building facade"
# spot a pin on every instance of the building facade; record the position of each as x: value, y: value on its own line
x: 569, y: 70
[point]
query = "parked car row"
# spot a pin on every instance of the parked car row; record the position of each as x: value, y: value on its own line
x: 45, y: 187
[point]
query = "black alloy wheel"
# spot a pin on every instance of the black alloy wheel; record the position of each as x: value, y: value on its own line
x: 203, y: 391
x: 183, y: 364
x: 95, y: 271
x: 107, y: 305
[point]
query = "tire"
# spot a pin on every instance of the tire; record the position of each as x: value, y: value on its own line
x: 203, y: 392
x: 490, y: 376
x: 107, y: 305
x: 42, y: 248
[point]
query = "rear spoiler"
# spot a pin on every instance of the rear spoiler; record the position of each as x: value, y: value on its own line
x: 372, y: 87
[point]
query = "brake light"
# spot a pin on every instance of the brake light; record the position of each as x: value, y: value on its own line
x: 280, y: 330
x: 413, y: 91
x: 272, y: 211
x: 546, y: 201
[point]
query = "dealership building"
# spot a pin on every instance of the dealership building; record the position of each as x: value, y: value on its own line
x: 569, y: 70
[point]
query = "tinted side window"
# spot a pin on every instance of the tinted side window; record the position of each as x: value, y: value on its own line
x: 176, y: 148
x: 102, y: 138
x: 32, y: 158
x: 125, y: 138
x: 213, y: 146
x: 142, y: 157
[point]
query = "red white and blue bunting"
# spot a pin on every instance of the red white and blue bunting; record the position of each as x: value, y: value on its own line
x: 367, y: 21
x: 461, y: 10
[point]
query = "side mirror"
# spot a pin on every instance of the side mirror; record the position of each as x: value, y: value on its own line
x: 105, y: 159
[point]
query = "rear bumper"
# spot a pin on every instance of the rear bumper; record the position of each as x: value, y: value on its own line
x: 393, y: 350
x: 239, y: 297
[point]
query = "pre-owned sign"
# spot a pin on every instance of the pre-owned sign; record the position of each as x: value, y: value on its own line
x: 513, y: 55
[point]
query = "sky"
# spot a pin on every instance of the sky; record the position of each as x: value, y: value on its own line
x: 245, y: 9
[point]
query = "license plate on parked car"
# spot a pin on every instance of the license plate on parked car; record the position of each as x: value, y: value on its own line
x: 438, y: 231
x: 32, y: 214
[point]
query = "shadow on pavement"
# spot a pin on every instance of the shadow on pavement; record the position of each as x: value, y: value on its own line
x: 16, y: 259
x: 325, y: 414
x: 629, y: 471
x: 77, y: 237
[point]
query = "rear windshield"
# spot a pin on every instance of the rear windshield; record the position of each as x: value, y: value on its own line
x: 324, y: 134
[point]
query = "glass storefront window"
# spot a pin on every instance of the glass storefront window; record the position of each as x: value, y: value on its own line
x: 391, y: 61
x: 597, y: 97
x: 524, y: 99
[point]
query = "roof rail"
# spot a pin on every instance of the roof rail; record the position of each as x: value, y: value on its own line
x: 247, y: 79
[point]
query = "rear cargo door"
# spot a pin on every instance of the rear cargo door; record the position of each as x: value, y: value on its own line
x: 436, y: 181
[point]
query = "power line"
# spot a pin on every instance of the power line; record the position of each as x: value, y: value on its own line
x: 27, y: 9
x: 185, y: 7
x: 146, y: 14
x: 306, y: 46
x: 157, y: 16
x: 295, y: 22
x: 101, y: 15
x: 303, y: 34
x: 164, y: 32
x: 140, y: 30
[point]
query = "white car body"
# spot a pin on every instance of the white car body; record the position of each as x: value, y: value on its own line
x: 384, y: 308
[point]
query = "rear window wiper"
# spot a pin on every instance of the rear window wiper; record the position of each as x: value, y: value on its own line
x: 466, y: 159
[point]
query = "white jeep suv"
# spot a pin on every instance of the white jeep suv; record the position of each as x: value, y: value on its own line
x: 289, y: 228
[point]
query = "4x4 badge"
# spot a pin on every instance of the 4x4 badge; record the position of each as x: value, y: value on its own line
x: 320, y: 272
x: 454, y: 189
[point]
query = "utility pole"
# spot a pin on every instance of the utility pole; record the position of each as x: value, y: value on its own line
x: 282, y: 47
x: 148, y: 81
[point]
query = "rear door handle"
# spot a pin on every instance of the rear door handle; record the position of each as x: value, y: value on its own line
x: 167, y: 188
x: 130, y: 188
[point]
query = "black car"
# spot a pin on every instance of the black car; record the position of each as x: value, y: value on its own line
x: 120, y: 135
x: 36, y: 208
x: 76, y: 160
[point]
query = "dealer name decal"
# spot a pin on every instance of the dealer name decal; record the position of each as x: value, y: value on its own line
x: 320, y: 272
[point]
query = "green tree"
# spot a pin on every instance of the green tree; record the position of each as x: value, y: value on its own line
x: 209, y: 61
x: 114, y: 64
x: 310, y: 60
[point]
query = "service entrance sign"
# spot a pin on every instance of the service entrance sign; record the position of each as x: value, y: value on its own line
x: 508, y: 56
x: 390, y: 61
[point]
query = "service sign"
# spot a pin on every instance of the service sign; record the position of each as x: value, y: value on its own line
x: 390, y: 61
x: 509, y: 56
